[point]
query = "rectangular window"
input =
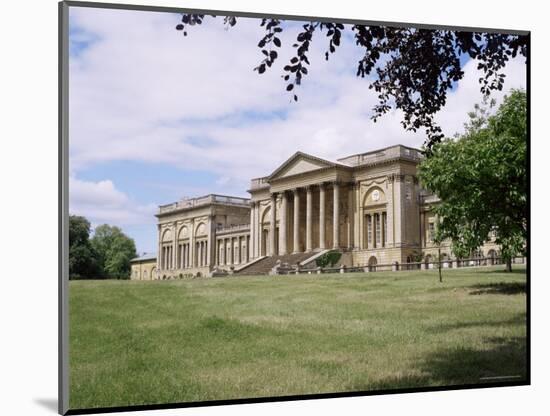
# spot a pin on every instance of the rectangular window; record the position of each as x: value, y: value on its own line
x: 385, y: 228
x: 369, y: 230
x: 431, y: 231
x: 378, y: 229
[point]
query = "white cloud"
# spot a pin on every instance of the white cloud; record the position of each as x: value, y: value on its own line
x: 102, y: 203
x: 141, y: 91
x: 462, y: 101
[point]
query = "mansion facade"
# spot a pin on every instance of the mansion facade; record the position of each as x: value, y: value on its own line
x: 369, y: 206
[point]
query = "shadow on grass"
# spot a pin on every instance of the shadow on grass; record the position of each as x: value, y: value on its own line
x: 504, y: 360
x: 500, y: 288
x: 520, y: 269
x: 519, y: 319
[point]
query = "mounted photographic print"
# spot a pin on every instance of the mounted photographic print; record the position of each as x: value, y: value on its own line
x: 264, y: 208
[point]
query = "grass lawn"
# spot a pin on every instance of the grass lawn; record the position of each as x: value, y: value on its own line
x: 135, y: 342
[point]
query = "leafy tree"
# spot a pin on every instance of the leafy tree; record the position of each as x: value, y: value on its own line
x: 412, y: 69
x: 82, y: 256
x: 481, y: 179
x: 114, y: 250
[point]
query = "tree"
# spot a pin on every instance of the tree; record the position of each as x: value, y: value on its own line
x: 413, y: 69
x: 114, y: 250
x: 481, y: 179
x: 82, y: 256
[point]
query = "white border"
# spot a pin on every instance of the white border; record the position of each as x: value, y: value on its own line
x: 28, y: 215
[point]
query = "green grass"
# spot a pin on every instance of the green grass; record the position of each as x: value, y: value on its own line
x: 135, y: 342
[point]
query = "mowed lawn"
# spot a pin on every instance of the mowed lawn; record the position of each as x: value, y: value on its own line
x: 135, y: 342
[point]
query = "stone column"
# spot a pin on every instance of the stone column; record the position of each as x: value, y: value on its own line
x: 175, y: 247
x: 389, y: 211
x: 399, y: 204
x: 283, y: 225
x: 272, y: 225
x: 159, y: 248
x: 192, y: 245
x: 336, y: 217
x: 210, y: 242
x: 257, y: 231
x: 350, y: 225
x: 358, y: 217
x: 309, y: 218
x: 296, y: 248
x: 374, y: 225
x: 383, y: 231
x: 252, y: 244
x: 239, y: 250
x: 224, y: 251
x: 322, y: 229
x: 368, y: 219
x: 422, y: 230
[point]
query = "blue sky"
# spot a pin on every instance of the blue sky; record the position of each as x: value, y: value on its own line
x: 155, y: 116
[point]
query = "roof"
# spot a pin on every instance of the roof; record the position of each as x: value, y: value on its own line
x: 306, y: 156
x: 144, y: 257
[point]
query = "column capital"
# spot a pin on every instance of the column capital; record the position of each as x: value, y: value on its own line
x: 273, y: 195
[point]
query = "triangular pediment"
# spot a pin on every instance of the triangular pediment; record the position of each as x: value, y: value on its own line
x: 300, y: 163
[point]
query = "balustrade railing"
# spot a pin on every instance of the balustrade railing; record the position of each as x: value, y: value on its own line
x: 434, y: 265
x: 203, y: 200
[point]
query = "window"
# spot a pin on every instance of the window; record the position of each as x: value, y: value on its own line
x: 431, y: 231
x: 369, y: 230
x: 378, y: 228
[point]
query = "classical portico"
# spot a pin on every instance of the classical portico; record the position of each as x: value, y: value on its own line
x: 298, y: 220
x: 304, y: 208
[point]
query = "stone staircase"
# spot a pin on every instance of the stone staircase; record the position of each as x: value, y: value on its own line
x: 265, y: 265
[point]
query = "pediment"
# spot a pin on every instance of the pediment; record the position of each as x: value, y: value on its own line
x: 300, y: 163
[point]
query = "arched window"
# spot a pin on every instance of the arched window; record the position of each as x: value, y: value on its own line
x: 428, y: 261
x: 372, y: 264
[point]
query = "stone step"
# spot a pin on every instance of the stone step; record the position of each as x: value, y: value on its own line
x: 265, y: 265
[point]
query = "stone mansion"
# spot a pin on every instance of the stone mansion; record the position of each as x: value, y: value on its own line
x: 369, y: 206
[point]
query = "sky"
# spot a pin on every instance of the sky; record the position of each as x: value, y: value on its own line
x: 155, y: 116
